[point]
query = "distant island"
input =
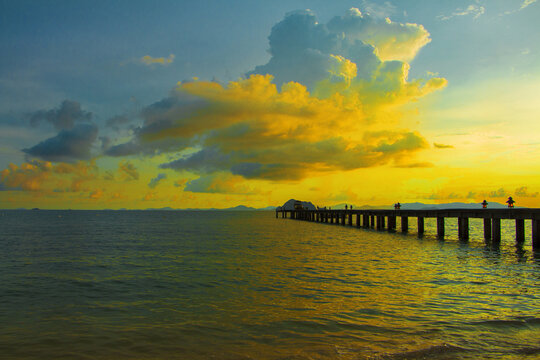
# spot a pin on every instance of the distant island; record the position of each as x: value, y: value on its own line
x: 289, y: 205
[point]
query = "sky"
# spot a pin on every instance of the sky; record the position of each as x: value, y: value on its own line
x: 213, y: 104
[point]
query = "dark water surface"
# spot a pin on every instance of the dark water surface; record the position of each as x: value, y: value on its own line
x: 244, y: 285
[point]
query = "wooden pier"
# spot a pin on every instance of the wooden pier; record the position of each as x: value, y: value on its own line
x: 387, y: 220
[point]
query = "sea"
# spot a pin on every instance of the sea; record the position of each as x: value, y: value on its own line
x: 245, y: 285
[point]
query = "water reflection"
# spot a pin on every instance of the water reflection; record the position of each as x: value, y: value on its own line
x: 247, y: 285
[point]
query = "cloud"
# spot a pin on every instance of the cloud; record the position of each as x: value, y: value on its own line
x: 68, y: 146
x: 149, y: 60
x: 150, y: 196
x: 96, y: 194
x: 127, y: 171
x: 392, y: 41
x: 29, y: 176
x: 109, y: 175
x: 497, y: 193
x: 526, y: 3
x: 474, y: 10
x: 443, y: 146
x: 180, y: 182
x: 354, y: 45
x: 46, y: 177
x: 206, y: 160
x: 62, y: 118
x: 117, y: 121
x: 155, y: 181
x: 324, y: 102
x: 416, y: 165
x: 523, y: 192
x: 218, y: 183
x: 450, y: 196
x: 378, y: 10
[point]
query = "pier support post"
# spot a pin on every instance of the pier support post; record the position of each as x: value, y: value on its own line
x: 520, y: 230
x: 440, y: 227
x: 372, y: 221
x: 343, y: 218
x: 365, y: 220
x: 463, y: 228
x: 536, y: 234
x: 496, y: 230
x: 358, y: 220
x: 404, y: 224
x: 487, y: 229
x: 391, y: 223
x: 420, y: 226
x: 380, y: 224
x: 350, y: 218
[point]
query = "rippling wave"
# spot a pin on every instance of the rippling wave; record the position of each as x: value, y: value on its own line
x: 227, y: 285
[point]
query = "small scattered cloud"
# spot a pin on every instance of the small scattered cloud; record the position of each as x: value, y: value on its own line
x: 443, y: 146
x: 150, y: 196
x: 149, y: 60
x: 523, y: 192
x: 62, y: 118
x: 443, y: 196
x: 127, y: 171
x: 471, y: 195
x: 180, y: 183
x: 472, y: 10
x: 155, y: 181
x: 45, y: 176
x: 525, y: 4
x: 497, y: 193
x: 68, y: 146
x: 109, y: 175
x: 96, y: 194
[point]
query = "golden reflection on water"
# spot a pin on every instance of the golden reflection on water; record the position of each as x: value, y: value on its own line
x: 249, y: 286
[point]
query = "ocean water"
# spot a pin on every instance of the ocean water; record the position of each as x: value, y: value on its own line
x: 245, y: 285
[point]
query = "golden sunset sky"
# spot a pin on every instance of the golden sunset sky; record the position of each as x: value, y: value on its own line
x: 215, y: 104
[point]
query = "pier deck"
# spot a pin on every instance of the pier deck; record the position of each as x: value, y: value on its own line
x: 387, y: 220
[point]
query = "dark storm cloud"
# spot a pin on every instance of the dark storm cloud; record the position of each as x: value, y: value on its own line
x: 68, y: 146
x: 155, y: 181
x: 63, y: 117
x: 207, y: 160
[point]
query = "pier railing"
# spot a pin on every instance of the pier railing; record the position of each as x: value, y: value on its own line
x: 387, y: 220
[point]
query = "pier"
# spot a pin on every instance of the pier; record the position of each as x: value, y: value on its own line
x: 387, y: 220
